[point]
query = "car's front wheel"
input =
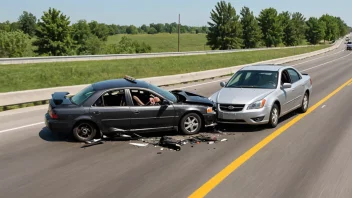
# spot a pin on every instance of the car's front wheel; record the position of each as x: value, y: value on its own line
x: 84, y: 131
x: 274, y: 116
x: 191, y: 124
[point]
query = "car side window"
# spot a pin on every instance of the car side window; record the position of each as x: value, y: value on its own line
x: 294, y: 75
x: 144, y: 98
x: 285, y: 78
x: 115, y: 98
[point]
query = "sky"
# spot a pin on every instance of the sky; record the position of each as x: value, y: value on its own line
x: 139, y: 12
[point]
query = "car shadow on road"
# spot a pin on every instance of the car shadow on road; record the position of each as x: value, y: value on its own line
x: 47, y: 135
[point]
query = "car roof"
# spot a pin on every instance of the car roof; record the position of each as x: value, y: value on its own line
x: 119, y: 83
x: 263, y: 67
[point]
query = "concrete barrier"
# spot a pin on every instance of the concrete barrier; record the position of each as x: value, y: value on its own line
x: 20, y: 97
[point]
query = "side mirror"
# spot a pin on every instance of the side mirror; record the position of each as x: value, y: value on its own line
x: 165, y: 102
x: 222, y: 84
x: 286, y: 85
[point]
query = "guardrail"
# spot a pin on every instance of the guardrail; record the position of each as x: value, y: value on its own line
x: 27, y: 60
x: 21, y: 97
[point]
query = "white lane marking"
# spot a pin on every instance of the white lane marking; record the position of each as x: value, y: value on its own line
x: 317, y: 58
x: 21, y: 127
x: 323, y: 106
x: 326, y: 63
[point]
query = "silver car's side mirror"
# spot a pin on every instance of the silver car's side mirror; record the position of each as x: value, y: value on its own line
x: 286, y: 85
x: 222, y: 84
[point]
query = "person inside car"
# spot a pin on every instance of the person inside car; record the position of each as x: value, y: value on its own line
x: 154, y: 100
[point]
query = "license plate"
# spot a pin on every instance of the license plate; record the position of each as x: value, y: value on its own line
x: 228, y: 116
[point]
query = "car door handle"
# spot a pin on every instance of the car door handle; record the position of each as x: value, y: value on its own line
x: 96, y: 112
x: 135, y: 111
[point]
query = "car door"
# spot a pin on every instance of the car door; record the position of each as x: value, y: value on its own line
x: 287, y: 95
x: 111, y: 110
x: 146, y: 117
x: 297, y: 86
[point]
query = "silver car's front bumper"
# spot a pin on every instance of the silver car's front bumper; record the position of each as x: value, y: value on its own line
x: 252, y: 117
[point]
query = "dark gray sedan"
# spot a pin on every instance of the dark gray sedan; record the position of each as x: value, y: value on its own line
x: 127, y: 106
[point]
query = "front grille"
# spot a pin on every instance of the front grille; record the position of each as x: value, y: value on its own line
x: 231, y: 107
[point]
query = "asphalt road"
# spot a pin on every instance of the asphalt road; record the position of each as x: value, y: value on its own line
x: 312, y: 158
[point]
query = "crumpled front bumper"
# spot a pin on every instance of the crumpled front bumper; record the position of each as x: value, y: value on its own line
x: 210, y: 119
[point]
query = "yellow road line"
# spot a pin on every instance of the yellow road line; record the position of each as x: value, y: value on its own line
x: 219, y: 177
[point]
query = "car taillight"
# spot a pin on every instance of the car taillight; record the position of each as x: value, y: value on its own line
x: 52, y: 114
x: 311, y: 82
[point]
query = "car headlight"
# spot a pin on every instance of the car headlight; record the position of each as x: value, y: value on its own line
x: 210, y: 109
x: 257, y: 105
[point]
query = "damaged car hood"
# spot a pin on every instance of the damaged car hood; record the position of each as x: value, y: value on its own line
x: 192, y: 98
x: 239, y: 95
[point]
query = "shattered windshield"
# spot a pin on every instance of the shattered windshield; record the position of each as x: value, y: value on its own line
x: 254, y: 79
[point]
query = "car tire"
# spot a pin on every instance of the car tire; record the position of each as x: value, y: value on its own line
x: 274, y: 116
x: 190, y: 124
x: 305, y: 103
x: 84, y: 131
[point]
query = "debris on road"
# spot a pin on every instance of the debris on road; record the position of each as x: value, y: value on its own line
x: 92, y: 143
x: 173, y: 143
x: 170, y: 143
x: 139, y: 144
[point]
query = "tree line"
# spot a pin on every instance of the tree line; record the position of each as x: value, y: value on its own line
x: 54, y: 35
x: 229, y: 30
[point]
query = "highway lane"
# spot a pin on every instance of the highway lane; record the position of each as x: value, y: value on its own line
x: 36, y: 164
x: 311, y: 159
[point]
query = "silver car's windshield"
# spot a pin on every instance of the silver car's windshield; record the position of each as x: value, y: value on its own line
x: 254, y: 79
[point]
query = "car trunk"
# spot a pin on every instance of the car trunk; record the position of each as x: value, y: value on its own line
x: 58, y: 99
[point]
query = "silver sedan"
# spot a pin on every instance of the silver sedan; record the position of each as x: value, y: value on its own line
x: 261, y: 94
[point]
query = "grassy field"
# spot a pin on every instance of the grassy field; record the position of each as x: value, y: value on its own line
x: 164, y: 42
x: 43, y: 75
x: 167, y: 42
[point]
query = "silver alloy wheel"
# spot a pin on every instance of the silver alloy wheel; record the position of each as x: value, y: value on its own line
x: 84, y: 131
x: 191, y: 124
x: 274, y: 116
x: 305, y: 102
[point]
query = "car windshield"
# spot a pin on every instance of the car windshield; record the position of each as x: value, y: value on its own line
x: 254, y: 79
x: 168, y: 95
x: 83, y: 95
x: 349, y: 43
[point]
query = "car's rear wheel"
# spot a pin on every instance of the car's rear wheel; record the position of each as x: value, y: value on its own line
x: 191, y: 124
x: 84, y: 131
x: 274, y: 116
x: 305, y: 103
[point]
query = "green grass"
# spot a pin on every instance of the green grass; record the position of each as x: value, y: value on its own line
x: 43, y: 75
x: 164, y: 42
